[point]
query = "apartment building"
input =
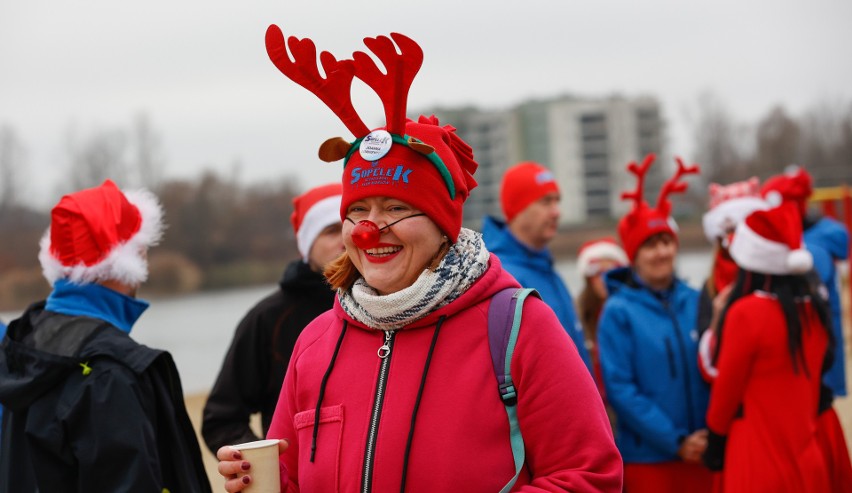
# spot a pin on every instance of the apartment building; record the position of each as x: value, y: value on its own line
x: 585, y: 141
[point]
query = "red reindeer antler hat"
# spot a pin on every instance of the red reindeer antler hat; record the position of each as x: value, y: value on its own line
x: 421, y: 163
x: 642, y: 222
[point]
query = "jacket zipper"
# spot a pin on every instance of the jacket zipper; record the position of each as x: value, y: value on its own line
x: 670, y: 353
x: 384, y: 353
x: 687, y: 384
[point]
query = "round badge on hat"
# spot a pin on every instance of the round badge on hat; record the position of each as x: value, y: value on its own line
x: 375, y: 145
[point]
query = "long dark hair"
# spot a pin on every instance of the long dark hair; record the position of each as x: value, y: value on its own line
x: 791, y: 291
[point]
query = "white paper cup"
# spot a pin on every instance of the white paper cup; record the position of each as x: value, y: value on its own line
x: 264, y: 472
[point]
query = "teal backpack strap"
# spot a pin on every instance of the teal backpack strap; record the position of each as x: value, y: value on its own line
x: 504, y: 323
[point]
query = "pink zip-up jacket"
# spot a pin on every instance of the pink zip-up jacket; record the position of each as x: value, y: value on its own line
x: 429, y: 416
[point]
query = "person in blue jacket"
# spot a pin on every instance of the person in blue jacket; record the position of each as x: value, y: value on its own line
x: 529, y: 197
x: 648, y: 346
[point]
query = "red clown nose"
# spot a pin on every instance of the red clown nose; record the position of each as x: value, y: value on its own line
x: 366, y: 235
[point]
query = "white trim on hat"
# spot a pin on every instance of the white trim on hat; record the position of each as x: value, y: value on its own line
x: 322, y: 214
x: 755, y: 253
x: 599, y: 251
x: 728, y: 214
x: 125, y: 263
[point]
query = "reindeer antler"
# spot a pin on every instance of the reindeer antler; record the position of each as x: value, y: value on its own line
x: 674, y: 186
x: 401, y: 69
x: 640, y: 171
x: 334, y: 90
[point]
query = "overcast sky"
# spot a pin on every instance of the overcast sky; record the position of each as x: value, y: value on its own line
x: 200, y: 72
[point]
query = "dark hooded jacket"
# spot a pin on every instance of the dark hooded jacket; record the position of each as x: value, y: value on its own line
x: 253, y: 371
x: 89, y: 409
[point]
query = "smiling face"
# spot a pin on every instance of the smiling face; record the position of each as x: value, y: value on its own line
x: 655, y: 260
x: 404, y: 250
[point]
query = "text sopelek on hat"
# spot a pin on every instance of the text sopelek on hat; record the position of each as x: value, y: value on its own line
x: 522, y: 185
x: 313, y: 211
x: 642, y: 221
x: 770, y: 242
x: 101, y: 234
x: 421, y: 163
x: 730, y: 204
x: 592, y: 253
x: 794, y: 185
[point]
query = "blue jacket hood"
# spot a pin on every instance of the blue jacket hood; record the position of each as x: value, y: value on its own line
x: 535, y: 269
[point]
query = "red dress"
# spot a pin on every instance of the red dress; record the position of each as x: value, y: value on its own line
x: 773, y: 447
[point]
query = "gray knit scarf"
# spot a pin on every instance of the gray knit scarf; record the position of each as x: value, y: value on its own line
x: 465, y: 262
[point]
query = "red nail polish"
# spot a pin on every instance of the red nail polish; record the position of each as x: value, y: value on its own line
x: 245, y: 466
x: 238, y: 455
x: 246, y: 479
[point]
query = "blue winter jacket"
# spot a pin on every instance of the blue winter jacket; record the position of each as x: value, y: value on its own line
x: 648, y: 352
x: 828, y: 242
x: 534, y: 269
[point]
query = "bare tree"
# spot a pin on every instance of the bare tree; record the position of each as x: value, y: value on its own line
x: 777, y: 143
x: 12, y: 156
x: 720, y: 142
x: 825, y: 144
x: 100, y: 156
x: 148, y: 158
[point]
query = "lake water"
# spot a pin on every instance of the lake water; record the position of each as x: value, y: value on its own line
x: 197, y: 329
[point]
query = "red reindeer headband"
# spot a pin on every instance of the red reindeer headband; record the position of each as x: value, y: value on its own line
x: 408, y: 160
x: 642, y: 222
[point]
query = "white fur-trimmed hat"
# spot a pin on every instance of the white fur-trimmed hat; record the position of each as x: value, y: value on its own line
x: 770, y: 242
x: 592, y: 253
x: 101, y: 234
x: 729, y: 205
x: 314, y: 211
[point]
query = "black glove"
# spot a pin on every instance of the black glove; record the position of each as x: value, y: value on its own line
x: 714, y: 455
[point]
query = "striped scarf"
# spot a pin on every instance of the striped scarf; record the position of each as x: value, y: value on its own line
x: 463, y: 264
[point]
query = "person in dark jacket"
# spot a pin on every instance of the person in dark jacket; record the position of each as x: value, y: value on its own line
x: 88, y: 408
x: 254, y: 366
x: 648, y: 346
x: 529, y: 197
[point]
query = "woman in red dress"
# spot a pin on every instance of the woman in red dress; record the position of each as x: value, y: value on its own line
x: 772, y: 347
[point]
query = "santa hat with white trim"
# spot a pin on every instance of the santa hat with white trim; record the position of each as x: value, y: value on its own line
x: 770, y: 242
x: 592, y: 253
x: 101, y: 234
x: 729, y: 205
x: 313, y: 211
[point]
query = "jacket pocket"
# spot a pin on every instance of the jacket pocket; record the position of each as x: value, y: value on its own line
x: 323, y: 473
x: 671, y: 358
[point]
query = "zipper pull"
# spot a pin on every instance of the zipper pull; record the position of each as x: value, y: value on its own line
x: 384, y: 351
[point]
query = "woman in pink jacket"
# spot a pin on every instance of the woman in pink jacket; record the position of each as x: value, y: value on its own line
x: 394, y: 388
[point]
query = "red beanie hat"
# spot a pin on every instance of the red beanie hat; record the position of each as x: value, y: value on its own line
x: 421, y: 163
x: 408, y: 175
x: 313, y: 211
x: 522, y: 185
x: 643, y: 222
x: 770, y: 242
x: 794, y: 185
x: 100, y: 234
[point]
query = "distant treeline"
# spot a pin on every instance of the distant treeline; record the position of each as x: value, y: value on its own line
x: 222, y: 233
x: 218, y: 234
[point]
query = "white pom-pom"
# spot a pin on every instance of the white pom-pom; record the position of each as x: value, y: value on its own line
x: 800, y: 261
x: 774, y: 198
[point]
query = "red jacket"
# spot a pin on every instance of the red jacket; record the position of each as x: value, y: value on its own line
x: 460, y: 439
x: 773, y: 446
